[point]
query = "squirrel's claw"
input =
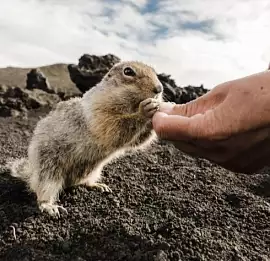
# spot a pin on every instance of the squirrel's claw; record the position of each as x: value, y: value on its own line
x: 52, y: 209
x: 101, y: 186
x: 148, y: 107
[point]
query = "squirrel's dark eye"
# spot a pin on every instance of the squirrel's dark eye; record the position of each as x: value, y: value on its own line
x: 129, y: 72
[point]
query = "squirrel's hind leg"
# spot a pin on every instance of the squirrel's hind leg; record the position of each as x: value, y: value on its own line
x: 91, y: 181
x: 47, y: 193
x: 101, y: 186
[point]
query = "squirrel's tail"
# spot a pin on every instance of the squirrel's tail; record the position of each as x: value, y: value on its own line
x: 19, y: 168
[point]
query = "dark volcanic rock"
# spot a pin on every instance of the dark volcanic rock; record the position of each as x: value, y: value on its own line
x: 83, y: 79
x: 170, y: 87
x: 93, y: 62
x: 179, y: 95
x: 190, y: 93
x: 15, y: 101
x: 37, y: 80
x: 91, y: 69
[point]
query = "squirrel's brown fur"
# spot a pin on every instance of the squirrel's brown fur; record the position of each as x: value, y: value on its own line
x: 71, y: 145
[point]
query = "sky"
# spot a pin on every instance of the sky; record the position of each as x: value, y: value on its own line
x: 196, y: 42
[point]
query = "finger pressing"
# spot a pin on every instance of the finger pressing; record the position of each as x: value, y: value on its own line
x: 200, y: 105
x: 176, y: 127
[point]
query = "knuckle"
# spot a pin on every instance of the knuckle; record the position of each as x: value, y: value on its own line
x: 197, y: 128
x: 207, y: 126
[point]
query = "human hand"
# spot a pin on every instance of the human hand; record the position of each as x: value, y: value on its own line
x: 229, y: 125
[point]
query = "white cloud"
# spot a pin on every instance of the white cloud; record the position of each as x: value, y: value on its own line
x: 138, y: 3
x: 38, y: 32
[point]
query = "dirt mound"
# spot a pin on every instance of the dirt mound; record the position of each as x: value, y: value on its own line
x: 165, y: 205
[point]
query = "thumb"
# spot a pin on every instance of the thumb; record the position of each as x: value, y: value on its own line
x: 208, y: 101
x: 177, y: 127
x: 191, y: 120
x: 187, y: 109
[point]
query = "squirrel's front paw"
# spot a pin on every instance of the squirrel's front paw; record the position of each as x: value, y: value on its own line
x: 148, y: 107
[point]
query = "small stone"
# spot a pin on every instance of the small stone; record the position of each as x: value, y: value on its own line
x: 164, y: 246
x: 176, y: 256
x: 161, y: 256
x: 65, y: 246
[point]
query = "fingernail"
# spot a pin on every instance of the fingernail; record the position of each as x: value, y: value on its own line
x: 166, y: 107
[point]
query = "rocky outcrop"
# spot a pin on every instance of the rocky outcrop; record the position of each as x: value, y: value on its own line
x: 85, y: 79
x: 93, y: 62
x: 38, y: 92
x: 91, y: 69
x: 16, y: 101
x: 13, y: 101
x: 189, y: 93
x: 37, y: 80
x: 178, y: 94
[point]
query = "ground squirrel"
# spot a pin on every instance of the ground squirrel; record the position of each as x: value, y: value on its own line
x: 71, y: 145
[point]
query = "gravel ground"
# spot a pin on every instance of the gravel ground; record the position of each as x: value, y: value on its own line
x: 165, y: 205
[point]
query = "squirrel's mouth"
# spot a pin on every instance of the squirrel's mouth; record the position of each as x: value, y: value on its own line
x: 158, y: 96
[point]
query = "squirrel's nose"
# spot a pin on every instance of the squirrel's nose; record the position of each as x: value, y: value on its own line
x: 158, y: 89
